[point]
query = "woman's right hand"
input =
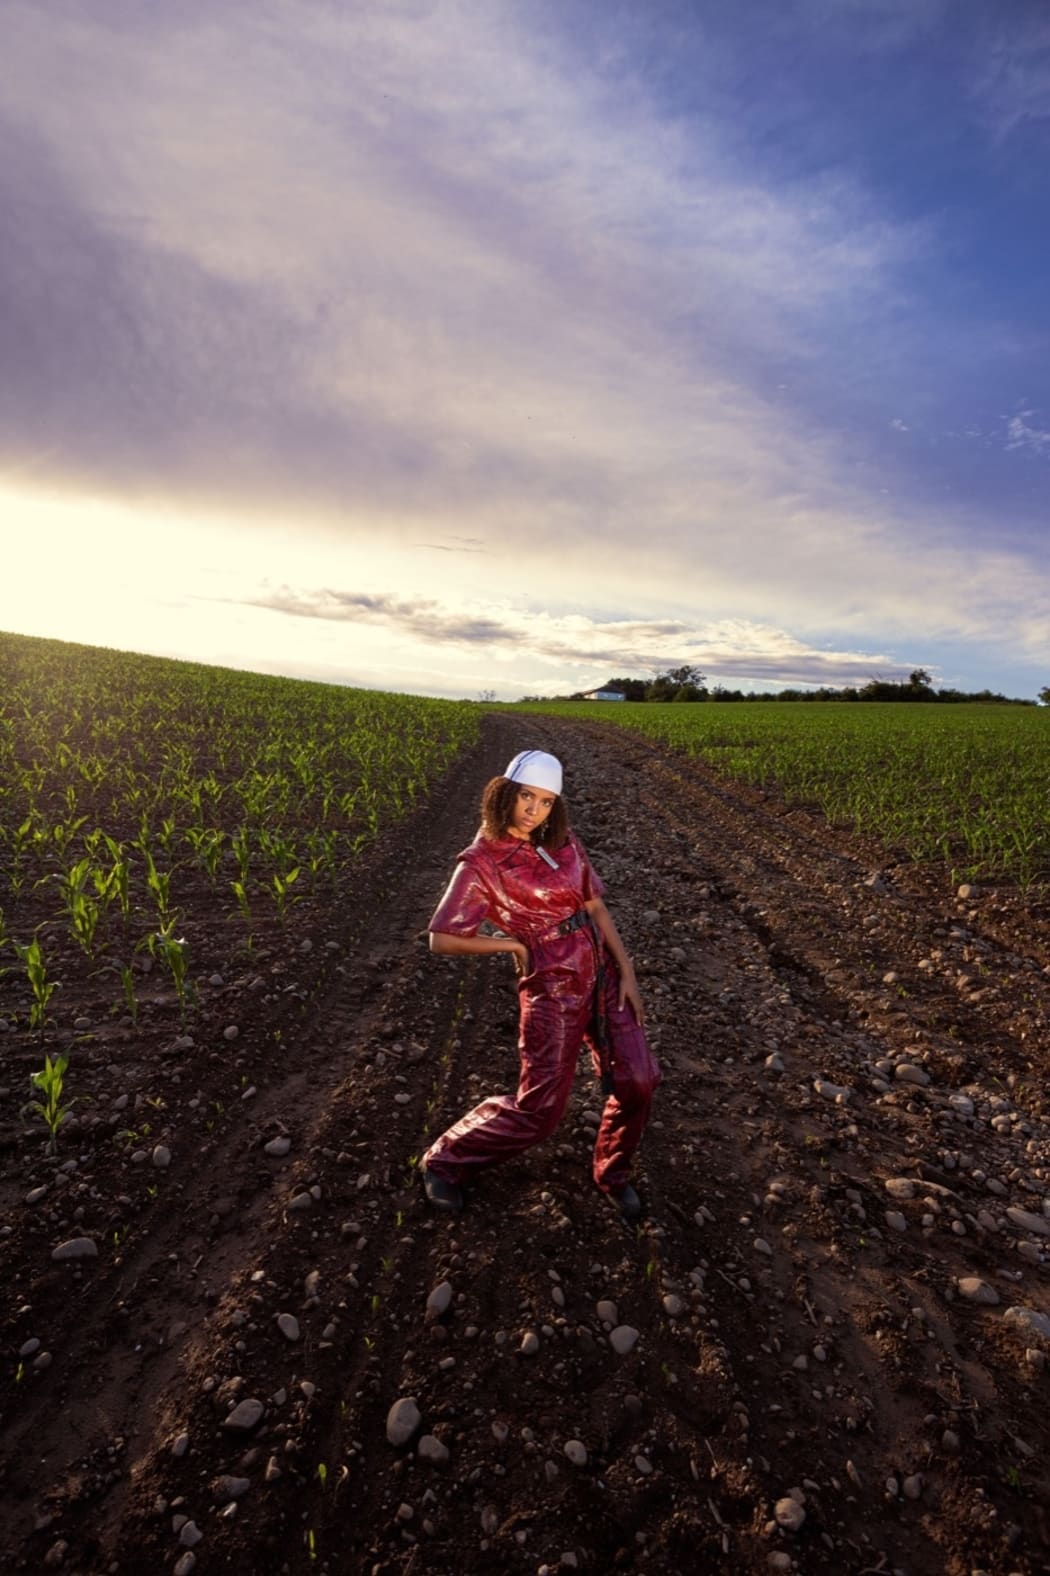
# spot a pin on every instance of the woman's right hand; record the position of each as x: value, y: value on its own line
x: 522, y: 962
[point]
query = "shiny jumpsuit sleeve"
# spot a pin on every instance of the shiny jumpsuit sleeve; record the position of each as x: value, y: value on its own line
x: 513, y: 885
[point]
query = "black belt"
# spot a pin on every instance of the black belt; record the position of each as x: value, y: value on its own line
x: 600, y: 1025
x: 575, y: 921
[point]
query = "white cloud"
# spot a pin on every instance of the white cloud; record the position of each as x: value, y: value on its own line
x: 1012, y: 79
x: 1021, y: 434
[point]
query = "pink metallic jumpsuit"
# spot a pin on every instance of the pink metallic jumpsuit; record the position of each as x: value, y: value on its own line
x: 509, y: 882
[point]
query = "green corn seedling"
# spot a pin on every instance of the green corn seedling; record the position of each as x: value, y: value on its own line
x: 127, y: 980
x: 279, y: 886
x: 242, y: 852
x: 49, y: 1082
x: 82, y: 910
x: 206, y: 843
x: 32, y: 960
x: 64, y: 833
x: 166, y: 835
x: 241, y: 894
x: 159, y: 883
x: 174, y: 950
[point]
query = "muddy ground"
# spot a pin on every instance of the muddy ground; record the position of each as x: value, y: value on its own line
x: 801, y: 1328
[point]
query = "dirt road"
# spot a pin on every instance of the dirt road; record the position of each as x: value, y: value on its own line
x: 848, y: 1178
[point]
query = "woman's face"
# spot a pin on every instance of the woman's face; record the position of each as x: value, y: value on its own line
x: 531, y: 808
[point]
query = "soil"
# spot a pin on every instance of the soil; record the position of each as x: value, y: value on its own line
x: 791, y: 1339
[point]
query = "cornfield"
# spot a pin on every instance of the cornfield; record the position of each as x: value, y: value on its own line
x: 968, y: 785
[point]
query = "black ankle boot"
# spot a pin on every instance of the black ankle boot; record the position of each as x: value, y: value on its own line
x: 443, y: 1195
x: 628, y: 1203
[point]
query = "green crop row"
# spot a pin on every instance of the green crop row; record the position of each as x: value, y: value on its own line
x: 129, y: 785
x: 966, y: 785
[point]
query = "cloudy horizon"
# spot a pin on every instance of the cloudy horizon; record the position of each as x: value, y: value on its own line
x: 449, y: 347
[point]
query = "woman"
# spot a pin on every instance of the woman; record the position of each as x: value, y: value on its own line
x: 527, y: 874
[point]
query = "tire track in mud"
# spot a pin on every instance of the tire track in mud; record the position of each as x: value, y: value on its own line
x: 750, y: 937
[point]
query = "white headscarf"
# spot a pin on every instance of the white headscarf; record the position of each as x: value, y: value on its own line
x: 537, y: 769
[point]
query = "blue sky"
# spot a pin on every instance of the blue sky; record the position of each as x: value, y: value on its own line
x: 467, y: 346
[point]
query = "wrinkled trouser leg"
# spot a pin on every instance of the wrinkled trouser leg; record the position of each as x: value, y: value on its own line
x: 636, y: 1074
x: 551, y: 1035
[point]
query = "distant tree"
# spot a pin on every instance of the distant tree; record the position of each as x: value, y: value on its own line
x: 630, y: 689
x: 1044, y: 695
x: 682, y: 683
x: 687, y: 674
x: 920, y: 679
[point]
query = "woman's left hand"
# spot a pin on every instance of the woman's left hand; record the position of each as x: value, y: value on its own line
x: 631, y: 996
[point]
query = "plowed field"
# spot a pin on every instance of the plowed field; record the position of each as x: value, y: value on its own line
x: 804, y: 1332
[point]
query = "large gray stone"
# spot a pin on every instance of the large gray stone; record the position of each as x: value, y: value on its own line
x: 1030, y: 1321
x: 75, y: 1248
x: 246, y: 1415
x: 402, y: 1420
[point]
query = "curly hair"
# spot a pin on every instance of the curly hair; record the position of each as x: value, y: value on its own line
x: 497, y: 812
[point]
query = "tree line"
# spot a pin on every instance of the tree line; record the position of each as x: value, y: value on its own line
x: 688, y: 684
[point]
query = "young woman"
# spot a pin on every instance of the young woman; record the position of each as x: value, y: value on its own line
x: 527, y: 874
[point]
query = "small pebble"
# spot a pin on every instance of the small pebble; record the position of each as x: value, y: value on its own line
x: 623, y: 1339
x: 402, y: 1420
x: 1030, y: 1320
x: 288, y: 1325
x: 162, y: 1157
x: 576, y: 1452
x: 789, y: 1514
x: 1038, y: 1225
x: 431, y: 1449
x: 440, y: 1300
x: 245, y: 1416
x: 907, y: 1072
x: 226, y: 1488
x: 976, y: 1290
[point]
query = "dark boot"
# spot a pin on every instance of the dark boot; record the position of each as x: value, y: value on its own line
x: 628, y: 1203
x: 441, y: 1194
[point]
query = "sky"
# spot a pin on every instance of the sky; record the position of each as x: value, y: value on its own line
x: 467, y: 347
